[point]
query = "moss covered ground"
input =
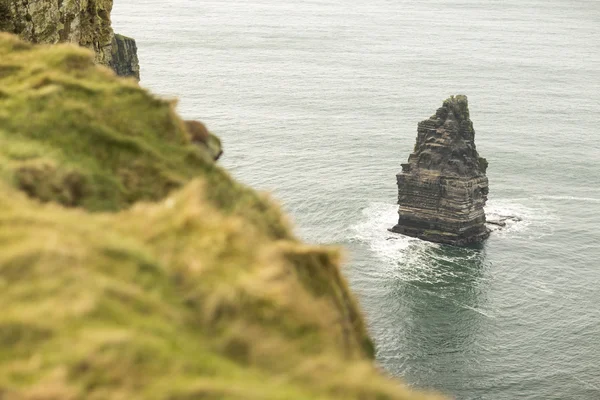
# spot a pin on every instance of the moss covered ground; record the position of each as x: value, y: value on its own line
x: 133, y: 267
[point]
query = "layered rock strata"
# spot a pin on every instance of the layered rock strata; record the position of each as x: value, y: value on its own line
x: 85, y: 23
x: 442, y: 189
x: 124, y: 59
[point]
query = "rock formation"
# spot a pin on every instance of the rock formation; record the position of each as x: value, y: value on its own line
x: 443, y: 188
x: 188, y: 285
x: 86, y: 23
x: 199, y: 135
x: 124, y: 56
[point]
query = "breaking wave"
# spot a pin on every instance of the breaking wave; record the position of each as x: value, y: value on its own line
x: 372, y: 230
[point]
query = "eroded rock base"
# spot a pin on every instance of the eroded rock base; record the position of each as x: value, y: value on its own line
x: 442, y: 210
x: 442, y: 190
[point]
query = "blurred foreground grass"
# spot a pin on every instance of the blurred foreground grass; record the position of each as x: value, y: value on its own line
x: 133, y: 267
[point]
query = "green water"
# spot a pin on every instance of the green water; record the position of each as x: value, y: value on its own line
x: 318, y: 102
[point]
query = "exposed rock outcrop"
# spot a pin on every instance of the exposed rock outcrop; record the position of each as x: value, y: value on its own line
x: 201, y: 136
x: 199, y: 291
x: 124, y: 57
x: 86, y: 23
x: 443, y: 188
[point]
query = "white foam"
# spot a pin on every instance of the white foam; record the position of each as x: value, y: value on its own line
x: 523, y: 221
x: 533, y: 222
x: 373, y: 230
x: 414, y: 260
x: 478, y: 310
x: 569, y: 198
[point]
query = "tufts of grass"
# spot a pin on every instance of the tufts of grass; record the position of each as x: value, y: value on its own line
x: 133, y: 267
x: 127, y: 144
x: 174, y: 300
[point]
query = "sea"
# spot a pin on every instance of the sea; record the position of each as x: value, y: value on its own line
x: 317, y: 102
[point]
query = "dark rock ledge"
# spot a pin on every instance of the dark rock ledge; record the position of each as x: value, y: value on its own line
x: 124, y: 59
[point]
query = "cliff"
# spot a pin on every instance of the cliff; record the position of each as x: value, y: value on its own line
x: 187, y: 285
x: 124, y: 59
x: 82, y: 139
x: 443, y: 188
x: 85, y: 23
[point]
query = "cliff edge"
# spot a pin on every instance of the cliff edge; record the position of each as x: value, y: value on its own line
x: 134, y: 267
x: 443, y: 188
x: 124, y: 60
x: 85, y: 23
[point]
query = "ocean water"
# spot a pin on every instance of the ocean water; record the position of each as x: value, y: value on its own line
x: 317, y: 101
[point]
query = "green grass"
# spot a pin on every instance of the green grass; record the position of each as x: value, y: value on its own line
x: 122, y: 144
x: 133, y: 267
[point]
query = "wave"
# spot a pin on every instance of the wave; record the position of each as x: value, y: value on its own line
x: 569, y: 198
x: 403, y: 256
x: 523, y: 222
x: 373, y: 231
x: 531, y: 222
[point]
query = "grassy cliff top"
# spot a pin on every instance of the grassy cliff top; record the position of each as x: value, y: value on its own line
x: 101, y: 143
x: 182, y: 285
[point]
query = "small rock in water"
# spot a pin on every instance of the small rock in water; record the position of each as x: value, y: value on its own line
x: 501, y: 221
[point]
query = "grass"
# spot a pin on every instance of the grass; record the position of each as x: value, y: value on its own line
x: 133, y: 267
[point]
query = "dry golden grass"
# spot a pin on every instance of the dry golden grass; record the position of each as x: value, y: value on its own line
x: 198, y: 293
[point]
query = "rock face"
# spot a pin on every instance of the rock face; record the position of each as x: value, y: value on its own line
x: 201, y: 136
x: 443, y: 188
x: 84, y: 22
x: 124, y: 57
x: 187, y: 284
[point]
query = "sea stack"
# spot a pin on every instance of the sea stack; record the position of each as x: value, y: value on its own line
x: 442, y: 189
